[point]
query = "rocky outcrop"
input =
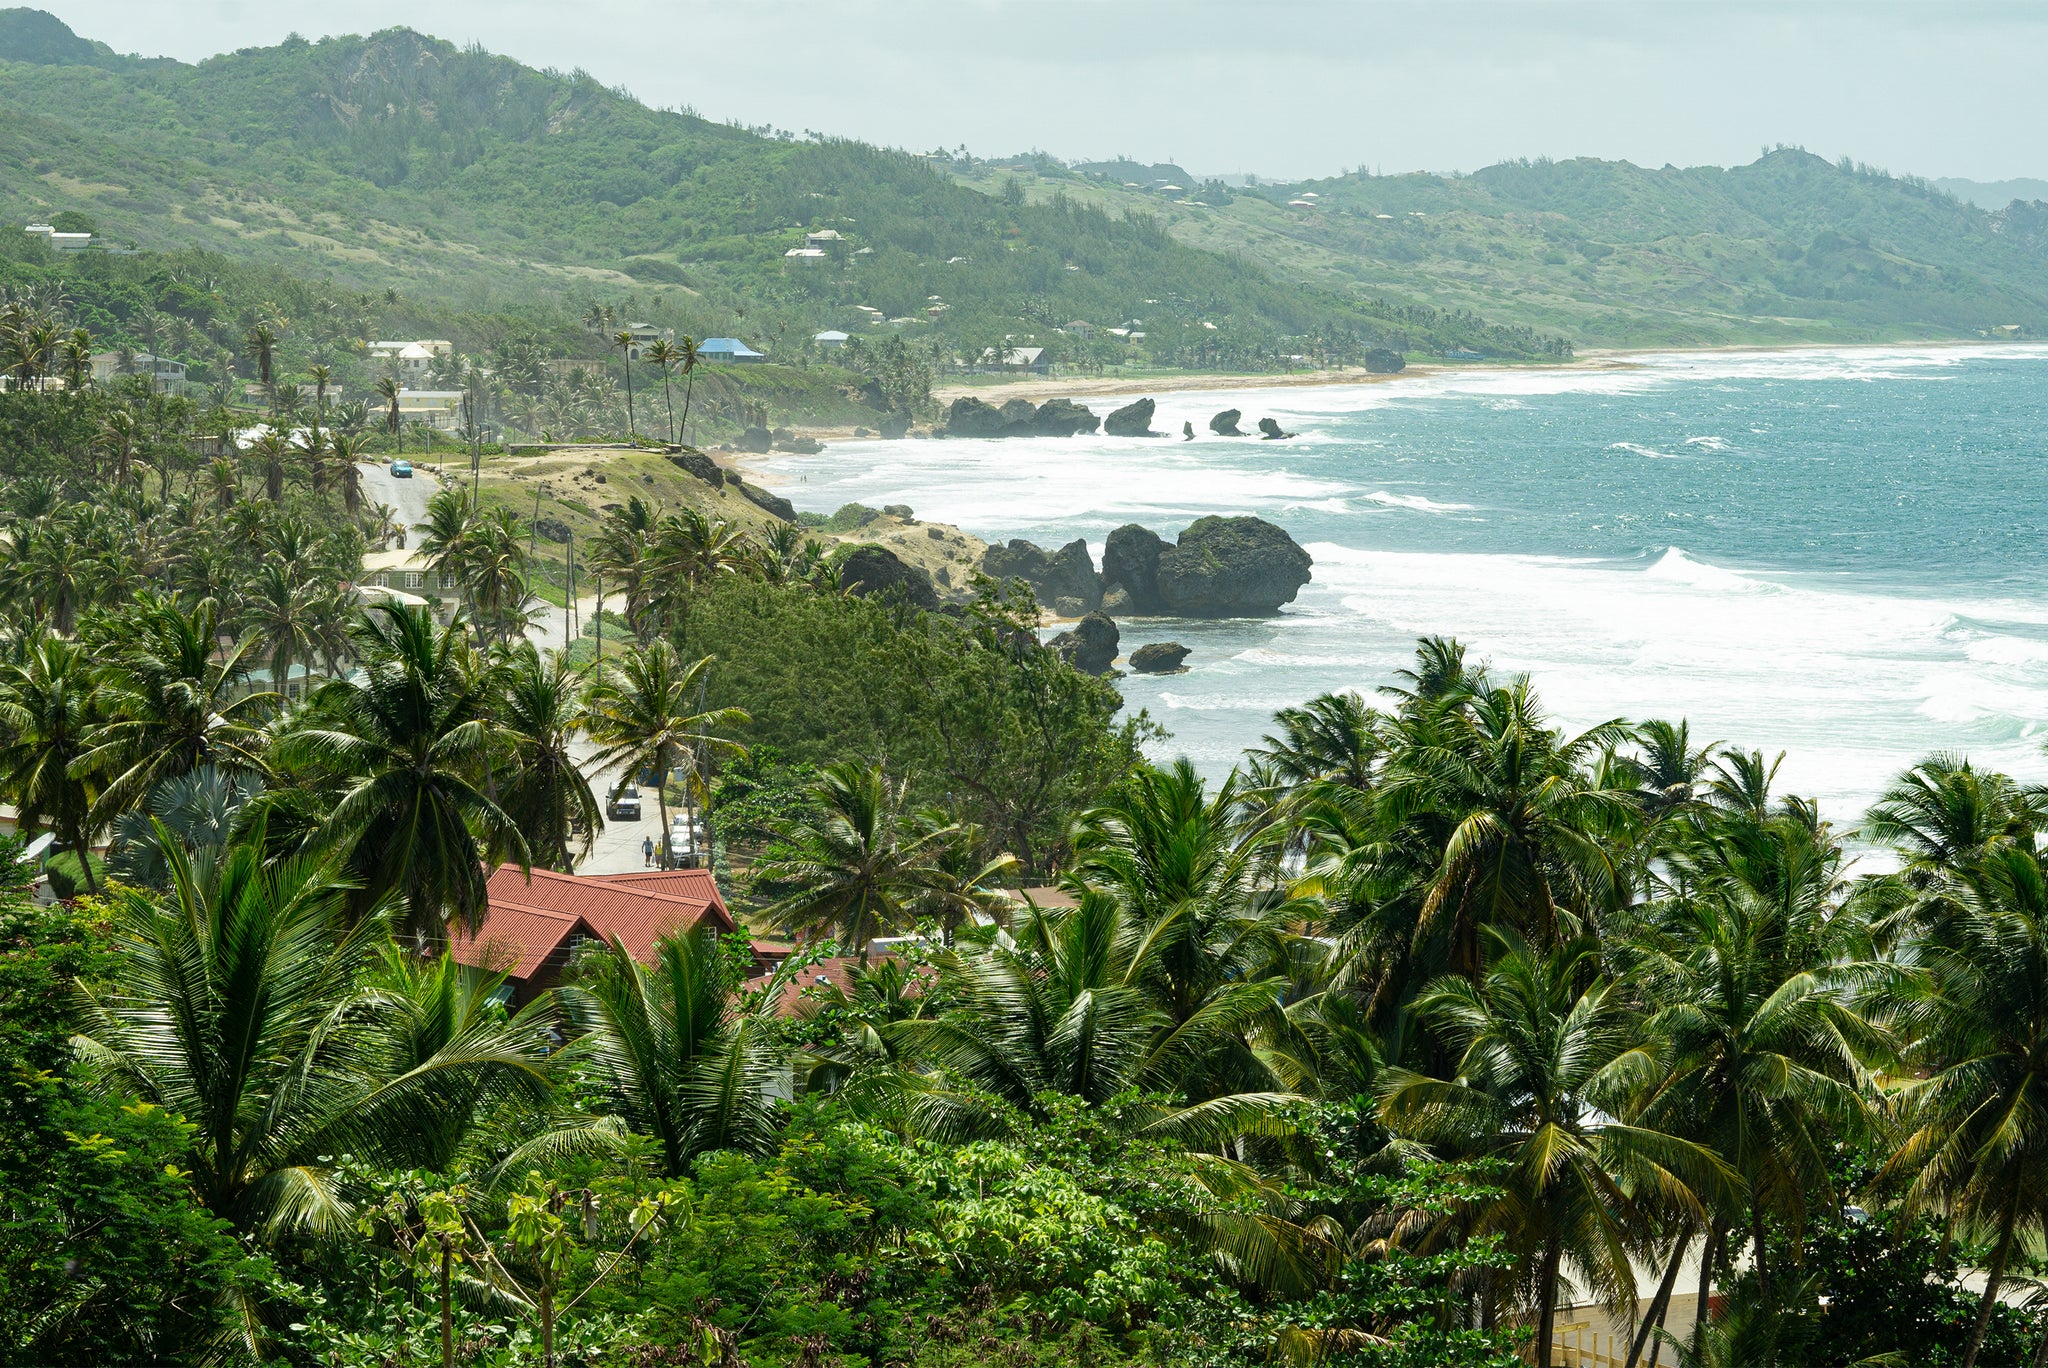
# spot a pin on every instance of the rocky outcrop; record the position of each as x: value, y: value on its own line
x: 700, y: 465
x: 763, y: 500
x: 756, y: 439
x: 1270, y: 431
x: 1091, y: 646
x: 1231, y: 567
x: 894, y: 426
x: 1224, y: 424
x: 1064, y: 418
x: 1068, y: 573
x: 1132, y: 420
x: 874, y: 571
x: 1161, y: 657
x: 1130, y: 571
x: 550, y: 529
x: 1384, y: 361
x: 971, y: 417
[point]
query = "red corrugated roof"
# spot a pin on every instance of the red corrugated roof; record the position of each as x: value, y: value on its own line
x: 681, y: 883
x: 635, y: 916
x: 515, y: 939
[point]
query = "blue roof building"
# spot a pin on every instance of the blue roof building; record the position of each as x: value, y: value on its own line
x: 727, y: 349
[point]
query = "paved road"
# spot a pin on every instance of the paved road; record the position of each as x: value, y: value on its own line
x: 409, y: 497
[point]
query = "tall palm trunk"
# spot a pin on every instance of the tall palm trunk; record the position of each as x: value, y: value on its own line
x: 1653, y: 1318
x: 661, y: 802
x: 689, y: 385
x: 630, y: 424
x: 1994, y: 1275
x: 1546, y: 1316
x: 1712, y: 1251
x: 669, y: 401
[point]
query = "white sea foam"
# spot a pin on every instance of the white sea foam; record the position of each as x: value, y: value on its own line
x: 1707, y: 443
x: 1636, y: 449
x: 1414, y: 502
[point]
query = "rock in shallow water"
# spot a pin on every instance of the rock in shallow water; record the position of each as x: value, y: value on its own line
x: 1132, y: 420
x: 1161, y: 657
x: 1091, y: 646
x: 1231, y: 567
x: 1224, y: 424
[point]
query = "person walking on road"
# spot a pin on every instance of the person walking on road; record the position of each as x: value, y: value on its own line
x: 647, y: 853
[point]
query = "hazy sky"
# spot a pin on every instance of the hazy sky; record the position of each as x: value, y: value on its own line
x: 1283, y: 87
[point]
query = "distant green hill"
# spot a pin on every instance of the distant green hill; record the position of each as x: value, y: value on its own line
x: 1789, y: 248
x: 398, y: 161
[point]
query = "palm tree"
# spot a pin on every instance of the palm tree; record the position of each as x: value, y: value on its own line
x: 1545, y: 1067
x: 1330, y: 738
x: 540, y: 709
x: 272, y: 447
x: 620, y: 550
x: 861, y: 864
x: 408, y: 739
x: 680, y: 1061
x: 1976, y: 1108
x: 236, y: 1005
x: 49, y: 709
x: 171, y: 706
x: 196, y: 812
x: 687, y: 358
x: 645, y: 709
x: 280, y: 605
x: 387, y: 389
x: 664, y: 355
x: 261, y: 346
x: 626, y: 342
x: 448, y: 538
x: 347, y: 452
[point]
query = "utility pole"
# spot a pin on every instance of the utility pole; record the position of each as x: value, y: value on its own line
x: 533, y: 528
x: 569, y: 607
x: 600, y: 614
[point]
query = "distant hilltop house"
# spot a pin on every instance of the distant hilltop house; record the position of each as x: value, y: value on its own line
x: 165, y: 375
x: 1015, y: 359
x: 805, y: 254
x: 60, y: 242
x: 824, y: 238
x: 410, y: 360
x: 830, y: 338
x: 645, y: 335
x: 1080, y: 327
x: 727, y: 349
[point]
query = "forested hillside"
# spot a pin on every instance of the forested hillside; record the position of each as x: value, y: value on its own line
x: 1791, y: 247
x: 398, y: 161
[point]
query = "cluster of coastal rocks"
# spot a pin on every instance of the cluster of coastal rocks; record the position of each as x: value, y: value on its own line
x: 1218, y: 567
x: 970, y: 417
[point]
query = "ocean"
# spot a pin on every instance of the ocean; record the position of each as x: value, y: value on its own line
x: 1834, y: 553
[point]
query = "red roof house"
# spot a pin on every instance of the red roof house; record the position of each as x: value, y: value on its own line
x: 534, y: 921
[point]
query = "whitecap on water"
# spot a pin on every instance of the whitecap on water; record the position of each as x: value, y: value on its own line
x: 1414, y: 503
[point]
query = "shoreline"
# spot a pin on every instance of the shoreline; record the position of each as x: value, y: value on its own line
x: 760, y: 467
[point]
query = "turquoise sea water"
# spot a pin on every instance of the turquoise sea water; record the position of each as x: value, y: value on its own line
x: 1835, y: 553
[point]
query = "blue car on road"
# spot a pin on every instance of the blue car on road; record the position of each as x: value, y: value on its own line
x: 401, y: 470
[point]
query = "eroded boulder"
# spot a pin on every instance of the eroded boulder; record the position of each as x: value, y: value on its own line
x: 1068, y: 573
x: 1132, y: 420
x: 1384, y: 361
x: 1091, y: 646
x: 1160, y: 657
x: 1130, y: 567
x: 1224, y: 424
x: 1231, y: 567
x: 1270, y: 431
x: 1063, y: 418
x: 875, y: 571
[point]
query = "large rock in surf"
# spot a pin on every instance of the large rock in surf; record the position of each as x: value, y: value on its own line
x: 1063, y: 418
x: 1132, y: 420
x: 1091, y: 646
x: 1231, y: 567
x: 971, y: 417
x: 1384, y: 361
x: 874, y: 571
x: 1130, y: 571
x: 1224, y: 424
x: 1161, y: 657
x: 1271, y: 432
x: 1068, y: 573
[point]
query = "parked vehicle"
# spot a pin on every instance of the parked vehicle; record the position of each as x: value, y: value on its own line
x: 688, y: 843
x: 622, y: 804
x: 401, y: 470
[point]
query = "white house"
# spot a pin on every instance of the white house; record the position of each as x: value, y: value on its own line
x: 830, y: 338
x: 439, y: 409
x: 403, y: 576
x: 166, y: 376
x: 412, y: 361
x: 825, y: 238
